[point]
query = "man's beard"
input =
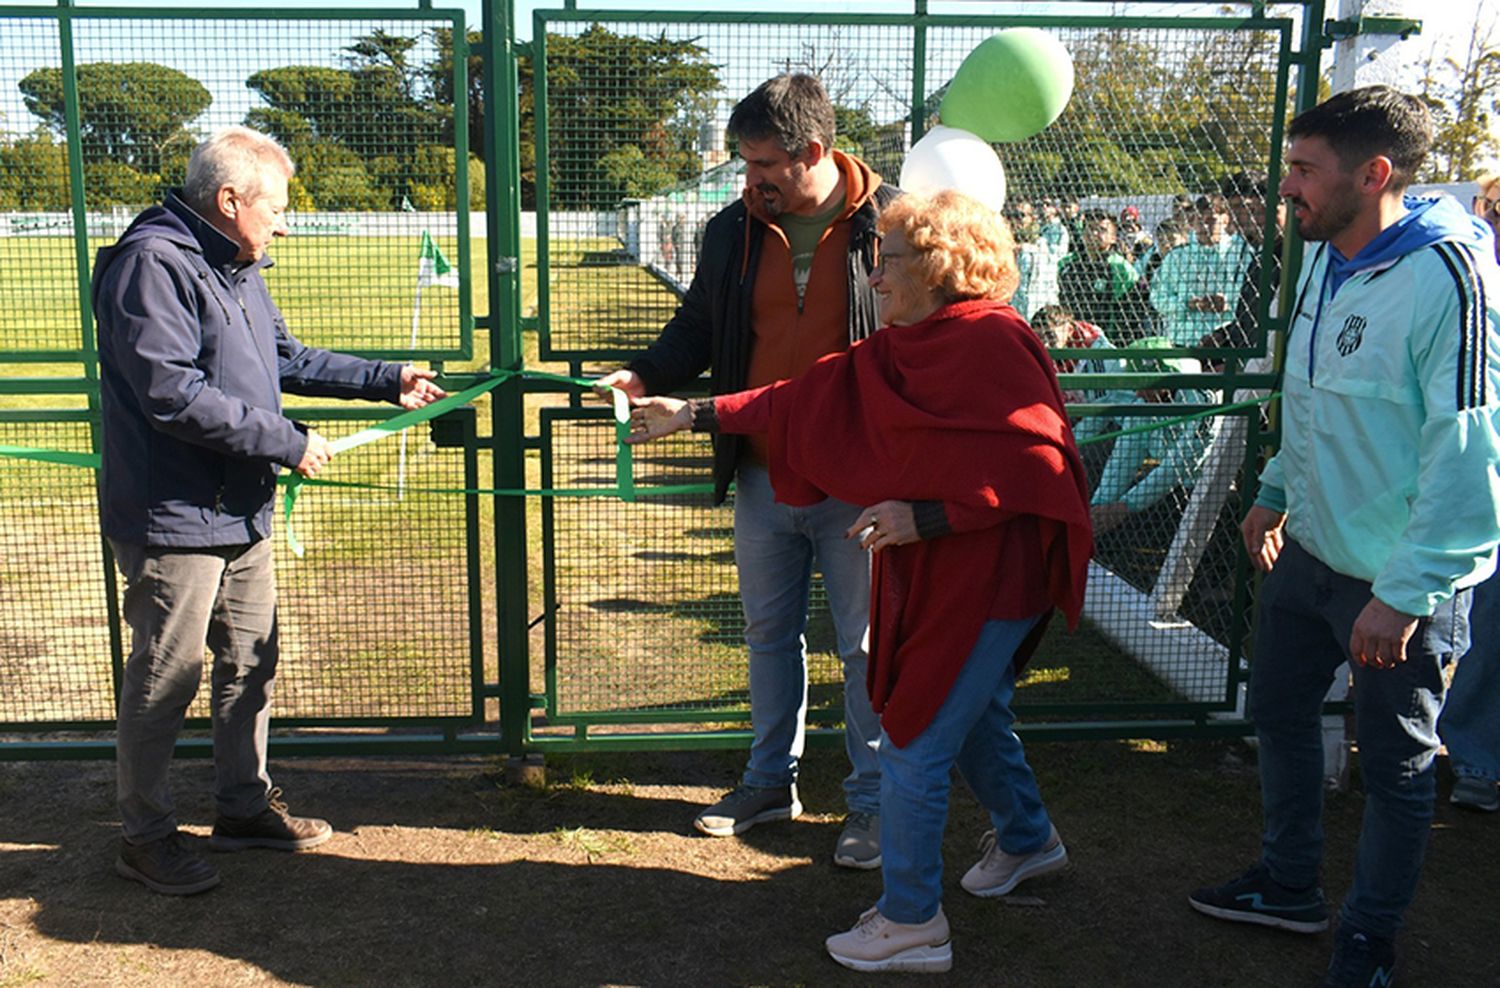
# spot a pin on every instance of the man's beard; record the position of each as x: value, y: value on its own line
x: 1333, y: 219
x: 771, y: 198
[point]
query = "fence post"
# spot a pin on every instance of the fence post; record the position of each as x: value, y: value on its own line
x: 503, y: 232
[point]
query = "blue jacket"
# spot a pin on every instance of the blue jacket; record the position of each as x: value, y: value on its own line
x: 193, y: 357
x: 1391, y: 400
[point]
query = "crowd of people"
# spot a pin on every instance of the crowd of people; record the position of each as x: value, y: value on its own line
x: 883, y: 401
x: 1098, y: 280
x: 1194, y: 280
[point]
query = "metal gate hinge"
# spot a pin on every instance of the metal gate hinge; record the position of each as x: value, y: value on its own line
x: 1351, y: 27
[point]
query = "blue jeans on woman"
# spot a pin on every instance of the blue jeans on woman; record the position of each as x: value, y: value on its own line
x: 1307, y: 612
x: 775, y: 547
x: 1470, y: 725
x: 972, y: 729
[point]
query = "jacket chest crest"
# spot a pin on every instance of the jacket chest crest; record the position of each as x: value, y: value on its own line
x: 1351, y: 335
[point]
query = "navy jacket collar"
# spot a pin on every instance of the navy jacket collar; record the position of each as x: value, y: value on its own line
x: 218, y: 250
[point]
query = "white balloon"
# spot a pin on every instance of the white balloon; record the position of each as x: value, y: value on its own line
x: 949, y: 158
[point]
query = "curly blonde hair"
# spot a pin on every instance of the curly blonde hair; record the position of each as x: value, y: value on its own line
x: 961, y: 247
x: 1486, y: 180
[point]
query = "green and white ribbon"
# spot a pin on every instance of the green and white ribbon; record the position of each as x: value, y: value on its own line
x: 87, y: 460
x: 624, y: 489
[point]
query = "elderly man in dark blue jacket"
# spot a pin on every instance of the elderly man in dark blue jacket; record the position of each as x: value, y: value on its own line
x: 193, y: 359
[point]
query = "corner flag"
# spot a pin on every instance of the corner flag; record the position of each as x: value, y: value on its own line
x: 432, y: 267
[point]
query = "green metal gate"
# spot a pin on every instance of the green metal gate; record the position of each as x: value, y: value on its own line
x: 439, y: 607
x: 643, y: 629
x: 371, y: 641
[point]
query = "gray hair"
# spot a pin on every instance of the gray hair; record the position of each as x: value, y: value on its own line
x: 236, y: 157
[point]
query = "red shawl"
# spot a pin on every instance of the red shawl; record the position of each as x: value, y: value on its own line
x: 961, y: 407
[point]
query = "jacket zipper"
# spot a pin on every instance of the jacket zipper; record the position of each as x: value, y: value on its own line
x: 1312, y: 337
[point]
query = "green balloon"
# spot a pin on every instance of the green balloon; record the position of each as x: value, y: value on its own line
x: 1011, y: 86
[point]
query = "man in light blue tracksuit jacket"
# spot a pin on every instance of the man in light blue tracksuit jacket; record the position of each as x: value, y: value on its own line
x: 1377, y: 514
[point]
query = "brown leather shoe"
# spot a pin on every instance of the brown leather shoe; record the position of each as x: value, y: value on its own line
x: 273, y: 827
x: 167, y: 865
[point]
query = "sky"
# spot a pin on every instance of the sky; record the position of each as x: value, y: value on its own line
x: 210, y: 53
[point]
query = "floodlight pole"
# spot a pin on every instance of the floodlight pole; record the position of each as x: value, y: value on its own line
x: 1373, y: 42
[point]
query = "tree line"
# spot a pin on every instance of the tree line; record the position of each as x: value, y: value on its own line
x: 377, y: 131
x: 627, y: 114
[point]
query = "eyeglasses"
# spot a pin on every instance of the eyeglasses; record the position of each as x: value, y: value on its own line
x: 1486, y: 206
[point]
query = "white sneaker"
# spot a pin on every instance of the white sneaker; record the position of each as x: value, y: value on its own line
x: 997, y: 873
x: 878, y: 944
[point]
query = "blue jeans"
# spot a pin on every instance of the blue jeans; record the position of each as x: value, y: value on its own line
x: 176, y: 602
x: 1302, y: 636
x: 1470, y: 725
x: 775, y: 547
x: 973, y: 729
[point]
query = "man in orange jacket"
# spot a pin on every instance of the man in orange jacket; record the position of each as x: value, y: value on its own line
x: 781, y: 281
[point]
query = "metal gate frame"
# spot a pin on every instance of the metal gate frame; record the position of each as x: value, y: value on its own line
x: 500, y: 51
x: 1167, y: 720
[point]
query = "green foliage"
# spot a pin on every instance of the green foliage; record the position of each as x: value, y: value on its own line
x: 379, y: 129
x: 336, y: 178
x: 307, y: 102
x: 373, y: 126
x: 636, y: 176
x: 1459, y: 87
x: 129, y: 112
x: 434, y: 178
x: 113, y: 183
x: 34, y: 174
x: 1146, y: 119
x: 607, y: 94
x: 881, y: 146
x: 440, y: 80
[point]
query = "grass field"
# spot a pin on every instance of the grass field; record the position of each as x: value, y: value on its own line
x: 632, y: 606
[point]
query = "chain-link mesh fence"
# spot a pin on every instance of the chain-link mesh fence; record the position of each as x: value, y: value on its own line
x: 376, y: 616
x: 379, y: 238
x: 54, y: 624
x: 364, y: 108
x: 1141, y: 220
x: 1140, y: 216
x: 39, y: 299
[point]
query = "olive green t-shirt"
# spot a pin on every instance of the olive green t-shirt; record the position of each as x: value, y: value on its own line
x: 803, y: 233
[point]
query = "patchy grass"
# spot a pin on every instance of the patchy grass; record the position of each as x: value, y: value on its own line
x: 592, y: 844
x: 635, y: 608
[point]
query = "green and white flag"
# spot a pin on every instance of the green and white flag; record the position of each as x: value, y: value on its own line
x: 432, y: 267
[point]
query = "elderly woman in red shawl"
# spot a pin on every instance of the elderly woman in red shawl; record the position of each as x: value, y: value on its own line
x: 950, y: 426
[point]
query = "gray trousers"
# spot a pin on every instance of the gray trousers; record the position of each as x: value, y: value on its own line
x: 176, y: 602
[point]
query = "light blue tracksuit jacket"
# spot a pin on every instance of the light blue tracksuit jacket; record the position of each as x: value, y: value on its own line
x: 1391, y: 402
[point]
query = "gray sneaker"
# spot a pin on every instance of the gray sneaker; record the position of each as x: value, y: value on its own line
x: 746, y: 806
x: 168, y: 865
x: 997, y: 873
x: 1473, y: 793
x: 859, y: 844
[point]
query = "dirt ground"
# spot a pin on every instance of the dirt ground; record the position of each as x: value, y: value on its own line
x: 441, y: 875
